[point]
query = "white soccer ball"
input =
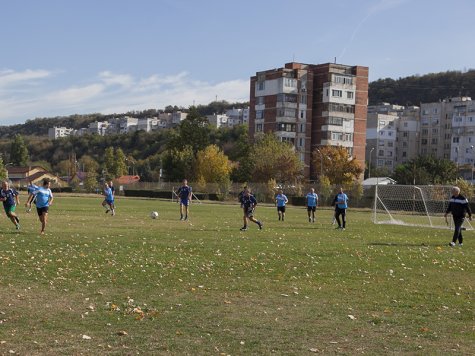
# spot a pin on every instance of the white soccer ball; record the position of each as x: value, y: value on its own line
x: 154, y: 214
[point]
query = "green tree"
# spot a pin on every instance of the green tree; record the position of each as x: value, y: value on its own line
x: 178, y: 164
x: 425, y: 170
x: 88, y: 164
x: 120, y: 166
x: 109, y: 164
x: 3, y: 171
x: 18, y: 151
x: 337, y: 165
x: 275, y: 159
x: 194, y: 132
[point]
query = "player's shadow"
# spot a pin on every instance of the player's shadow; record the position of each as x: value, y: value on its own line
x: 392, y: 244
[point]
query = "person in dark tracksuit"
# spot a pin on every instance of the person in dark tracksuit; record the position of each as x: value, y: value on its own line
x: 458, y: 206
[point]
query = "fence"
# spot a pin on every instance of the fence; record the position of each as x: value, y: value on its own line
x: 263, y: 192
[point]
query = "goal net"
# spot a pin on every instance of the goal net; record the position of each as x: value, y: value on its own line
x: 413, y: 206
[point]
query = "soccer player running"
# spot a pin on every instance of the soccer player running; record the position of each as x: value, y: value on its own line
x: 312, y: 202
x: 31, y: 198
x: 340, y: 209
x: 9, y: 197
x: 44, y: 199
x: 281, y: 200
x: 185, y: 194
x: 458, y: 206
x: 249, y: 203
x: 108, y: 202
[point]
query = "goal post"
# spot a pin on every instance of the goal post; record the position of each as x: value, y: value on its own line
x: 412, y: 205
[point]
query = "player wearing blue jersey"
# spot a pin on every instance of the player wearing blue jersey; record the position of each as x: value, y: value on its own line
x: 281, y: 200
x: 249, y: 203
x: 44, y: 199
x: 109, y: 197
x: 9, y: 197
x: 31, y: 188
x: 341, y: 201
x: 184, y: 194
x: 312, y: 202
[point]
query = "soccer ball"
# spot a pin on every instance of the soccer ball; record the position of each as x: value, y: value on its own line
x: 154, y: 215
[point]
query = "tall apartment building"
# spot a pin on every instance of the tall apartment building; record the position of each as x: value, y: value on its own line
x: 392, y: 135
x: 312, y: 105
x: 447, y: 130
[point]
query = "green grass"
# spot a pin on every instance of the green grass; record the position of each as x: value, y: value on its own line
x: 204, y: 287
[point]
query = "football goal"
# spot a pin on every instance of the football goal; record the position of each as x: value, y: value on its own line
x: 413, y: 206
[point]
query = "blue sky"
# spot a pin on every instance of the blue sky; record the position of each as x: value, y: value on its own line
x: 63, y: 57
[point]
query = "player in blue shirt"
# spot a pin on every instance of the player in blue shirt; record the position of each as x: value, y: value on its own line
x: 249, y: 203
x: 44, y: 199
x: 341, y: 201
x: 281, y: 200
x: 31, y: 188
x: 9, y: 197
x: 184, y: 193
x: 108, y: 202
x: 312, y: 202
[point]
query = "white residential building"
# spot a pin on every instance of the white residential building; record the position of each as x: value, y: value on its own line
x: 57, y: 132
x: 217, y: 120
x: 98, y: 128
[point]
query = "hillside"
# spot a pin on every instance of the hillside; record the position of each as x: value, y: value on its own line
x: 427, y: 88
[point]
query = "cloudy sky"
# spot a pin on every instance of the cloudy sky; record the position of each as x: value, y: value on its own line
x: 63, y: 57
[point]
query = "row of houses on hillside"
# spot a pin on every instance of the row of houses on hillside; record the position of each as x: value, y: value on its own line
x: 127, y: 124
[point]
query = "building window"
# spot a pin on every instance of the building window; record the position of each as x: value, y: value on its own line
x: 404, y: 144
x: 302, y: 114
x: 381, y: 153
x: 390, y: 144
x: 405, y: 124
x: 404, y: 134
x: 259, y: 114
x: 287, y: 113
x: 303, y: 99
x: 337, y: 93
x: 380, y: 162
x: 290, y: 83
x: 434, y: 131
x: 301, y: 142
x: 302, y: 128
x: 455, y: 140
x: 434, y: 141
x: 259, y: 127
x: 282, y: 126
x: 350, y: 95
x: 260, y: 100
x: 261, y: 85
x: 288, y: 139
x: 342, y: 80
x: 404, y: 153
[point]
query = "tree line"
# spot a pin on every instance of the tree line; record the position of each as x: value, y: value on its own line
x: 416, y: 89
x: 194, y: 150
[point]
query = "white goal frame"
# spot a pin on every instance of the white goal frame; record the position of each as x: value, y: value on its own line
x: 413, y: 205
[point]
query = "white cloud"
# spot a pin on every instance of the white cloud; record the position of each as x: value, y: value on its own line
x: 108, y: 93
x: 12, y: 78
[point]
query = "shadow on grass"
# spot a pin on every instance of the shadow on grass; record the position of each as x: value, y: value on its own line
x: 424, y: 244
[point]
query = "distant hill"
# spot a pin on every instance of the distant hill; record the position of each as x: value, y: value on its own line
x: 40, y: 126
x: 418, y: 89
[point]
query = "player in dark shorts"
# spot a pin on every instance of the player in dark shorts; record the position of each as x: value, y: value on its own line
x: 184, y: 193
x: 44, y: 199
x: 249, y: 204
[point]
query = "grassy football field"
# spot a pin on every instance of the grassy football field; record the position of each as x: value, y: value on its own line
x: 128, y: 284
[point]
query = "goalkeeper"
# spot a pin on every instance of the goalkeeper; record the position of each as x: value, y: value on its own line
x: 249, y: 203
x: 458, y: 206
